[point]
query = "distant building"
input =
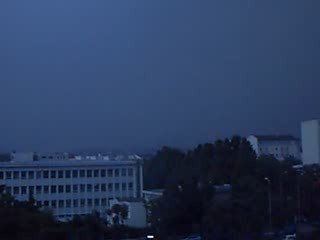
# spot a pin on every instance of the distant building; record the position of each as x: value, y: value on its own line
x: 70, y: 186
x: 310, y: 132
x: 137, y: 215
x: 280, y: 146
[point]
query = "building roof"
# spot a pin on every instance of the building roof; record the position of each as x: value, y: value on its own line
x: 276, y: 138
x: 130, y: 199
x: 65, y: 163
x: 159, y: 190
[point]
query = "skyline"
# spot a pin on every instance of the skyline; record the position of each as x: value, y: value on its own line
x: 140, y: 75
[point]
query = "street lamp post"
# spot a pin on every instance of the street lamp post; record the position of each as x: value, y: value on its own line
x: 299, y: 196
x: 281, y: 184
x: 299, y: 170
x: 270, y: 203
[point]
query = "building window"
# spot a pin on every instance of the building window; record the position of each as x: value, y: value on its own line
x: 103, y: 173
x: 46, y: 203
x: 54, y: 203
x: 61, y: 204
x: 74, y: 173
x: 39, y: 204
x: 82, y: 173
x: 116, y: 172
x: 9, y: 190
x: 103, y: 187
x: 82, y: 202
x: 116, y: 186
x: 68, y: 188
x: 38, y: 174
x: 110, y: 172
x: 130, y: 172
x: 96, y: 173
x: 53, y: 174
x: 31, y: 190
x: 8, y: 175
x: 96, y: 202
x: 31, y: 175
x: 103, y: 202
x: 24, y: 190
x: 89, y: 203
x: 15, y: 175
x: 68, y: 203
x: 1, y: 175
x: 123, y: 172
x: 82, y: 188
x: 75, y: 188
x: 75, y: 203
x: 46, y: 189
x: 60, y: 188
x: 15, y: 190
x: 110, y: 187
x: 23, y: 175
x: 96, y: 188
x: 46, y: 174
x: 124, y: 186
x: 53, y: 189
x: 38, y: 189
x: 89, y: 188
x: 130, y: 185
x: 60, y: 174
x: 89, y: 173
x: 68, y: 174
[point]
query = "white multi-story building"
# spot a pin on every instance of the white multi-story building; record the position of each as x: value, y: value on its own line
x: 71, y: 186
x: 310, y: 133
x: 280, y: 146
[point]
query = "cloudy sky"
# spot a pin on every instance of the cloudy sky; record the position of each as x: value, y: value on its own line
x: 81, y: 74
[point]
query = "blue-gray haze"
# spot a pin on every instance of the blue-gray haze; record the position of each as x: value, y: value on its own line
x: 80, y: 74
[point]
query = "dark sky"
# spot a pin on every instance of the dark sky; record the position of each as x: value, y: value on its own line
x: 81, y: 74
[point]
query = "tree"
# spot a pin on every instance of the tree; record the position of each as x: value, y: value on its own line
x: 159, y: 168
x: 4, y: 157
x: 119, y: 213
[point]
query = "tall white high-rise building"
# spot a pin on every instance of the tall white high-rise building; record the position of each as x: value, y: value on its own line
x: 310, y: 132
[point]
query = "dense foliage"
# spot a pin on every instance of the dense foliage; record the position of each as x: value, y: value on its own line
x: 188, y: 205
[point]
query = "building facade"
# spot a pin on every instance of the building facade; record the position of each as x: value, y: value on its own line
x: 280, y: 146
x: 310, y: 134
x: 69, y: 186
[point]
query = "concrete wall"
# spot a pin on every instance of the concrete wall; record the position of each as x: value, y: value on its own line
x: 310, y: 132
x: 137, y: 215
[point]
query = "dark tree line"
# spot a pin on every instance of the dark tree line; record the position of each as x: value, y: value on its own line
x: 188, y: 204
